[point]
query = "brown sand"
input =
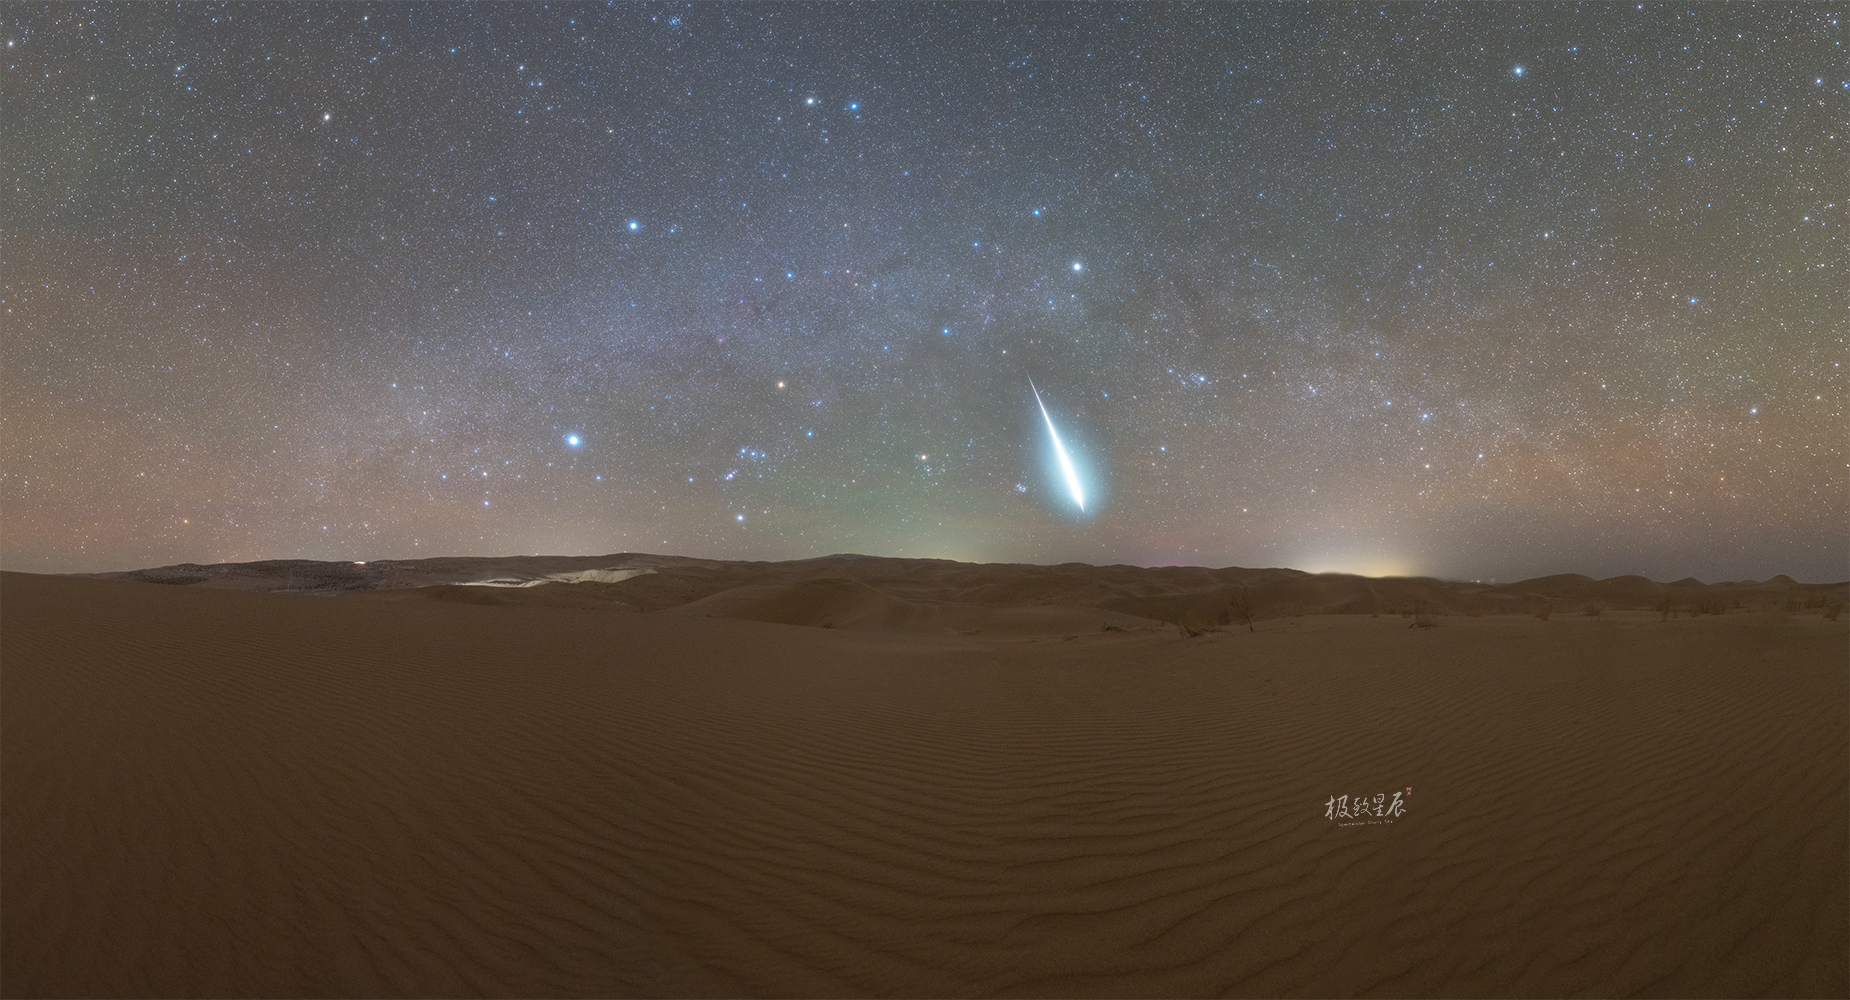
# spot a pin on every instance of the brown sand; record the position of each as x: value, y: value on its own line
x: 459, y: 791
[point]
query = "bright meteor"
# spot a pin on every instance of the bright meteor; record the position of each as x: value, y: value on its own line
x: 1066, y: 463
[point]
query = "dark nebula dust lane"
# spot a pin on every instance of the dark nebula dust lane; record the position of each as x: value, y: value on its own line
x: 1472, y: 291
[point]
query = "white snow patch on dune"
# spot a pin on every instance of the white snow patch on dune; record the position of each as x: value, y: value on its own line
x: 580, y: 576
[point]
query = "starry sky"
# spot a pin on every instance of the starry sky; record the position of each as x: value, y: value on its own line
x: 1470, y: 291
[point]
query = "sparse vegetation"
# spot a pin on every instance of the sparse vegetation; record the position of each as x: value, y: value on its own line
x: 1591, y: 610
x: 1241, y: 607
x: 1832, y: 610
x: 1664, y: 609
x: 1806, y: 598
x: 1544, y: 611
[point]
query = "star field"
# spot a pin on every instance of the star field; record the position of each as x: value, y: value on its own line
x: 1474, y: 291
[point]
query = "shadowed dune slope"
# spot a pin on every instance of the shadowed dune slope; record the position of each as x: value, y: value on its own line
x: 828, y: 603
x: 213, y: 792
x: 851, y: 604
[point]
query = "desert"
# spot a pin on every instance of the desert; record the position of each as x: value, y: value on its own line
x: 795, y: 499
x: 881, y: 777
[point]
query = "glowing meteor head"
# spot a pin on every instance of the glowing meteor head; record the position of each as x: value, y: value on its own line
x: 1067, y: 471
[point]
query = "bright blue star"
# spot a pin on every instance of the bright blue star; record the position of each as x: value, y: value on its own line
x: 573, y: 440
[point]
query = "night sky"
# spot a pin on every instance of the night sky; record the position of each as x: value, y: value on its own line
x: 1479, y: 292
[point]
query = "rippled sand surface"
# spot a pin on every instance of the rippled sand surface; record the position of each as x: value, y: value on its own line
x: 216, y: 792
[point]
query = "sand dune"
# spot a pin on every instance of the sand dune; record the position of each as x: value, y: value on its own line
x: 833, y: 602
x: 605, y: 789
x: 1190, y: 595
x: 827, y: 603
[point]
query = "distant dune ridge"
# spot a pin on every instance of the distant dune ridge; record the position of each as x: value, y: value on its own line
x: 640, y: 775
x: 849, y: 591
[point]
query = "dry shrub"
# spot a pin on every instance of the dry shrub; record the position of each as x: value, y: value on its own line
x: 1832, y: 610
x: 1243, y: 608
x: 1544, y: 611
x: 1591, y: 611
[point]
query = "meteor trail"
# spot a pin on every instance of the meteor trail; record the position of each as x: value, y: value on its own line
x: 1066, y: 464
